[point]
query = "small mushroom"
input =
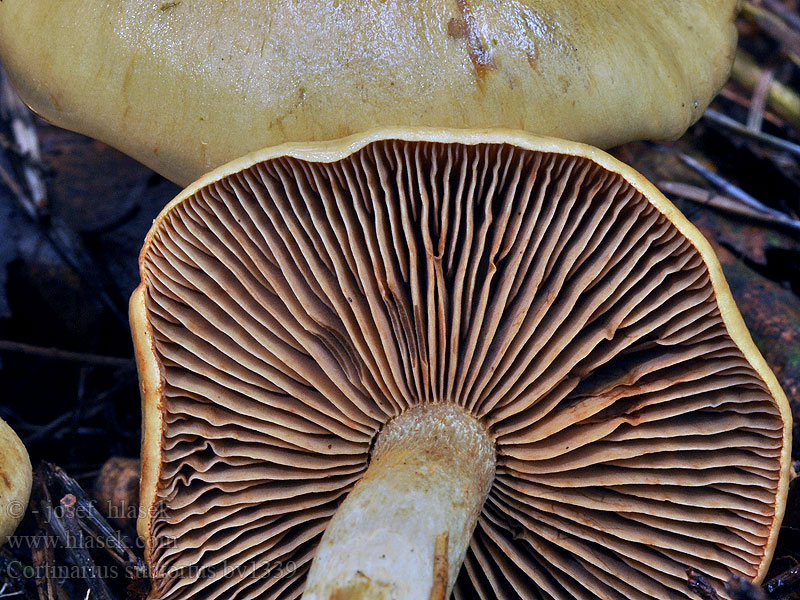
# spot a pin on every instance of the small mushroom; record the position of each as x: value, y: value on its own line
x: 418, y: 361
x: 185, y: 86
x: 15, y: 481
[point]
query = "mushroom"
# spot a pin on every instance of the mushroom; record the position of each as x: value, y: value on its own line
x: 15, y: 481
x: 416, y: 361
x: 186, y: 86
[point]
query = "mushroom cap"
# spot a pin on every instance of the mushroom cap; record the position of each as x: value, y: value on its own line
x: 296, y: 300
x: 15, y: 481
x: 186, y: 86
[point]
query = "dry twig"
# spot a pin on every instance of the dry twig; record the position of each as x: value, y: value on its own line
x: 782, y: 583
x: 84, y: 358
x: 781, y: 98
x: 775, y: 27
x: 700, y: 586
x: 736, y: 193
x: 723, y: 203
x: 726, y: 122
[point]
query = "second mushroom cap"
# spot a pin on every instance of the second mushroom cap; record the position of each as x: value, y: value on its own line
x: 184, y: 86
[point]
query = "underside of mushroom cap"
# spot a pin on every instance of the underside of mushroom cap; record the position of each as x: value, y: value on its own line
x: 180, y: 85
x: 295, y: 301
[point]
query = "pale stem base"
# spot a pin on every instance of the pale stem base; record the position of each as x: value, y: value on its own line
x: 430, y: 474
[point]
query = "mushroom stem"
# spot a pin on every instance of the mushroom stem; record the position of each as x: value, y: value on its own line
x: 431, y: 471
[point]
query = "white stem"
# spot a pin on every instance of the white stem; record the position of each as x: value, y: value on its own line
x: 431, y: 471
